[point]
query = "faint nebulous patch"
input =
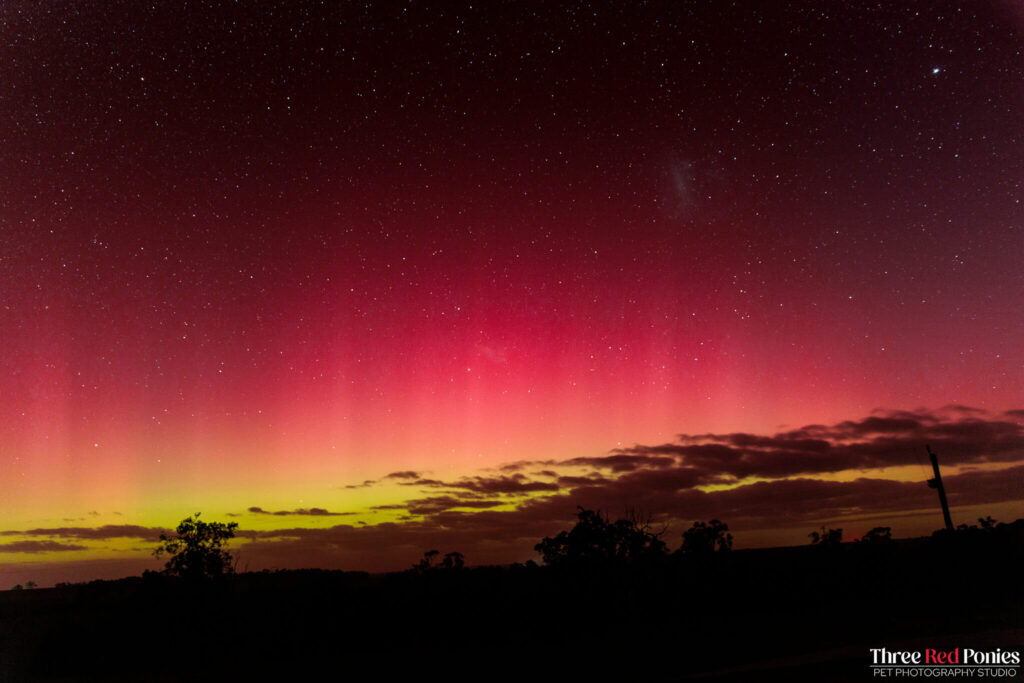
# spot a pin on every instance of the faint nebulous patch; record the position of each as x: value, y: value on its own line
x: 492, y: 354
x: 681, y: 197
x: 691, y: 186
x: 682, y: 191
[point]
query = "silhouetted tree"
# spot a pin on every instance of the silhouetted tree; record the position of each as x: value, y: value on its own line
x: 880, y: 534
x: 453, y: 560
x: 196, y: 552
x: 986, y: 531
x: 701, y: 538
x: 826, y: 537
x: 427, y: 563
x: 986, y: 526
x: 595, y: 540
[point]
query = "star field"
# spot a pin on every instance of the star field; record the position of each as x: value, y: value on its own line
x: 264, y: 250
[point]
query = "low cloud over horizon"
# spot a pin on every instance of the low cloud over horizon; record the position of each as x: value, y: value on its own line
x: 302, y: 512
x: 758, y: 484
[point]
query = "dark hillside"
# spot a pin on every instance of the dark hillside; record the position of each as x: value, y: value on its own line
x: 717, y: 611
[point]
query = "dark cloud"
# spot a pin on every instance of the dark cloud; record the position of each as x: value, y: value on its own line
x: 399, y: 476
x: 99, y: 533
x: 623, y: 461
x: 965, y: 410
x: 666, y: 480
x: 408, y: 474
x: 517, y: 484
x: 39, y: 547
x: 502, y: 536
x: 435, y: 504
x: 525, y: 464
x: 958, y: 434
x: 774, y: 504
x: 569, y: 481
x: 875, y: 425
x: 310, y: 512
x: 774, y: 484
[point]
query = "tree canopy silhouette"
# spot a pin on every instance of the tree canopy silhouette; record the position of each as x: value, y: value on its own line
x: 878, y: 535
x: 826, y: 537
x: 595, y: 540
x: 196, y: 552
x: 701, y: 538
x: 452, y: 560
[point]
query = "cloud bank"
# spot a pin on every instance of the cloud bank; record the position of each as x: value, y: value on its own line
x: 794, y: 479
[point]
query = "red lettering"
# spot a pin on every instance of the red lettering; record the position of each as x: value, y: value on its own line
x: 939, y: 657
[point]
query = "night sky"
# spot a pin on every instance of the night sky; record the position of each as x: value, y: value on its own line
x: 376, y: 278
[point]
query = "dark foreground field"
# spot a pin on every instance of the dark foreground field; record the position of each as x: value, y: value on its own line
x: 806, y: 613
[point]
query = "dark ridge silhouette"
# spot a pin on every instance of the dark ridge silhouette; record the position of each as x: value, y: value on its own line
x: 718, y: 611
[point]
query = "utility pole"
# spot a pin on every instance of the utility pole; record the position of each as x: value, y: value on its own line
x: 936, y: 483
